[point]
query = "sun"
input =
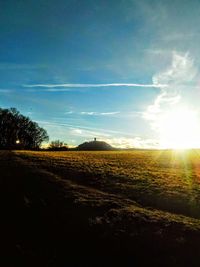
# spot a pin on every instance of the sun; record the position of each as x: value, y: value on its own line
x: 179, y: 129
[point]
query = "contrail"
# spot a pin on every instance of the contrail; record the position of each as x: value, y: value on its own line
x: 89, y: 85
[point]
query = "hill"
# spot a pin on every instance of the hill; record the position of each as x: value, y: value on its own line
x: 95, y: 145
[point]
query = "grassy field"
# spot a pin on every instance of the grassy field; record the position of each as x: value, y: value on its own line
x: 167, y: 180
x: 137, y: 208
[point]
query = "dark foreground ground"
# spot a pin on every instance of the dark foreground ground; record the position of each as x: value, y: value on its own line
x: 48, y: 221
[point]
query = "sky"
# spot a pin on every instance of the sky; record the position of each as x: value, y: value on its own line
x: 110, y: 69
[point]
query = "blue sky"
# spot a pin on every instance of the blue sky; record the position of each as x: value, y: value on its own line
x: 105, y: 69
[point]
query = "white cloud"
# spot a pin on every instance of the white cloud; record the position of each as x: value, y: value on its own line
x: 115, y: 140
x: 118, y: 114
x: 69, y: 112
x: 77, y: 131
x: 136, y: 142
x: 180, y: 72
x: 86, y: 133
x: 88, y: 113
x: 109, y: 113
x: 94, y: 113
x: 64, y: 86
x: 178, y: 77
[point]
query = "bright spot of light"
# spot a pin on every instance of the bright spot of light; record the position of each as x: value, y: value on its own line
x: 179, y: 129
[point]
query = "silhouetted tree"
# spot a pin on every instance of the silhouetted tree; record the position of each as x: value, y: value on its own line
x: 58, y: 145
x: 18, y: 131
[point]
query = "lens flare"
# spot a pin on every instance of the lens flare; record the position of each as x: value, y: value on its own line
x: 179, y: 129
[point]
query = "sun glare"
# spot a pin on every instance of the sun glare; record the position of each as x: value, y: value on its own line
x: 179, y: 129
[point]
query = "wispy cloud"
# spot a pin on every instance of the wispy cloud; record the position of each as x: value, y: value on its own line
x: 136, y: 142
x: 93, y: 113
x: 69, y: 112
x: 86, y: 85
x: 88, y: 133
x: 115, y: 138
x: 179, y: 36
x: 118, y: 114
x: 81, y: 127
x: 115, y: 141
x: 5, y: 90
x: 157, y: 51
x: 178, y: 77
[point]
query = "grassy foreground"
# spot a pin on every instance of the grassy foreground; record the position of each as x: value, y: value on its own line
x: 137, y: 208
x: 167, y: 180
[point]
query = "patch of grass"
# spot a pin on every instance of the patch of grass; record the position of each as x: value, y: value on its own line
x: 166, y: 180
x: 98, y: 209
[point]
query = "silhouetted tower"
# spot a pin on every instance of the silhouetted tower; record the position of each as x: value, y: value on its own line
x: 95, y: 139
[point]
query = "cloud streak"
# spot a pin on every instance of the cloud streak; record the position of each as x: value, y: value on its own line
x: 118, y: 114
x: 80, y: 127
x: 96, y: 85
x: 93, y: 113
x: 115, y: 138
x: 5, y: 90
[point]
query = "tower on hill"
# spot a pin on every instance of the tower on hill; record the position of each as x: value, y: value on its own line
x: 95, y: 145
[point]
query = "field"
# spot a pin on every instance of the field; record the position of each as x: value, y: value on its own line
x: 167, y: 180
x: 136, y: 208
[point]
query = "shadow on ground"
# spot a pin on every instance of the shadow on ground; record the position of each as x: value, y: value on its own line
x: 46, y: 221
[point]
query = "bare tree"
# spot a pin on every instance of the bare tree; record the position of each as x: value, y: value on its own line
x: 58, y: 145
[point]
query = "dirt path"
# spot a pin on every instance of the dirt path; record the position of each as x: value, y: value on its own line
x: 46, y: 221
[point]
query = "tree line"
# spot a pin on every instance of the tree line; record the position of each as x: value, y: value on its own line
x: 18, y: 131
